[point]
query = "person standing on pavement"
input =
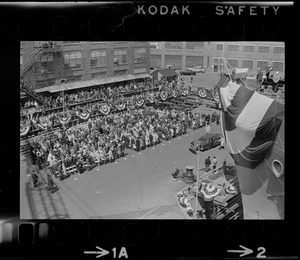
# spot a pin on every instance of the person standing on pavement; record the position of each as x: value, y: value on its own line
x: 207, y: 128
x: 222, y: 146
x: 34, y: 178
x: 214, y: 162
x: 207, y: 163
x: 50, y: 183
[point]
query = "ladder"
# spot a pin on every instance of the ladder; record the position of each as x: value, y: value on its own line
x: 30, y: 61
x: 27, y: 77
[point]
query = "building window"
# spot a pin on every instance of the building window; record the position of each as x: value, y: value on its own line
x: 98, y: 58
x: 72, y: 60
x: 263, y: 49
x: 262, y: 64
x: 44, y: 65
x: 278, y: 66
x: 38, y: 43
x: 74, y: 78
x: 216, y: 61
x: 233, y: 63
x: 66, y: 42
x: 219, y: 47
x: 120, y: 56
x: 248, y: 64
x: 98, y: 75
x: 278, y: 50
x: 47, y: 62
x: 174, y: 45
x: 248, y: 48
x: 139, y: 55
x: 191, y: 61
x: 21, y: 60
x: 233, y: 47
x: 194, y: 45
x: 139, y: 70
x: 120, y: 72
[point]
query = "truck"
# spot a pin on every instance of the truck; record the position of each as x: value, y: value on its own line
x: 197, y: 69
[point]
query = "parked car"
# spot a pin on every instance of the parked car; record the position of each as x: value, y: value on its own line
x: 187, y: 72
x: 205, y: 142
x: 197, y: 69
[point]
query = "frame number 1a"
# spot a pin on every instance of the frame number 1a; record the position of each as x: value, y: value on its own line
x: 122, y: 253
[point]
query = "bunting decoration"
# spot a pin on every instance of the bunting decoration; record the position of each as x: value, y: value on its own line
x: 84, y: 115
x: 139, y: 102
x: 209, y: 191
x: 216, y: 96
x: 151, y: 98
x: 120, y: 106
x: 202, y: 93
x: 230, y: 189
x: 105, y: 109
x: 24, y: 129
x: 65, y: 119
x: 174, y: 93
x: 163, y: 95
x: 185, y: 92
x: 42, y: 126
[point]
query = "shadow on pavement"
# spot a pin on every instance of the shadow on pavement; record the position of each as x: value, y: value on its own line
x: 43, y: 204
x: 157, y: 212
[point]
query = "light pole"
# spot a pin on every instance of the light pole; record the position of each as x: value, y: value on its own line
x: 196, y: 207
x: 63, y: 81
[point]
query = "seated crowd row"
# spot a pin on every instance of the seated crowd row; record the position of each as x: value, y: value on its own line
x: 106, y: 138
x: 103, y: 92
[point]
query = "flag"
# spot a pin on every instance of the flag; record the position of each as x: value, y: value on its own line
x: 250, y: 122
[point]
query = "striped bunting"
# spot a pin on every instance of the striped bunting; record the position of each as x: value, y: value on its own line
x: 250, y: 122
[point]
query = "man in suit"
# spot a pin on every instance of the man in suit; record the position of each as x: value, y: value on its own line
x: 34, y: 178
x: 259, y: 78
x: 51, y: 186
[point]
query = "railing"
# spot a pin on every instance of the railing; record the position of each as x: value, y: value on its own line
x: 80, y: 103
x: 30, y: 61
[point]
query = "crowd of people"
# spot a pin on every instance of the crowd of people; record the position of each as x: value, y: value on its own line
x: 92, y: 101
x: 106, y: 138
x: 100, y: 93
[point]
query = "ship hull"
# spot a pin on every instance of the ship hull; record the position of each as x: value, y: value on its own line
x: 262, y: 188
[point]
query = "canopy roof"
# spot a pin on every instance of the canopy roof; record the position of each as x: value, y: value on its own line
x: 90, y: 83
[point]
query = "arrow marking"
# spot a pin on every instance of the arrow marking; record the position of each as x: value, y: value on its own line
x: 100, y: 253
x: 244, y: 252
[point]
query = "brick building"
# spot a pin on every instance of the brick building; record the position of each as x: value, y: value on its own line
x: 82, y: 60
x: 180, y: 55
x: 251, y: 55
